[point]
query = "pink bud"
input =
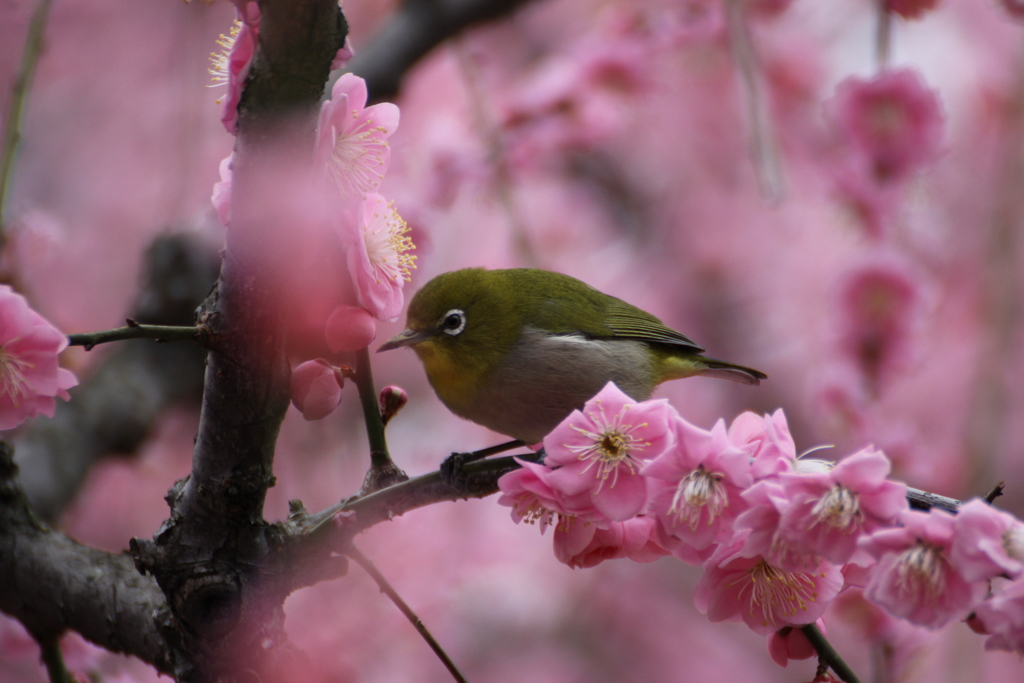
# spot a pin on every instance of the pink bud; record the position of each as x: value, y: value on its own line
x: 316, y: 388
x: 392, y: 398
x: 350, y: 328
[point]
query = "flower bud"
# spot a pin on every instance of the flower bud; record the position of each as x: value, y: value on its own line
x: 316, y: 388
x: 349, y: 328
x: 392, y: 399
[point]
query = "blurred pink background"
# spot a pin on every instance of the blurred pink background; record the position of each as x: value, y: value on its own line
x: 624, y: 161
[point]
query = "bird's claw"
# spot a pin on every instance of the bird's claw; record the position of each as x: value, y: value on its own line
x: 451, y: 468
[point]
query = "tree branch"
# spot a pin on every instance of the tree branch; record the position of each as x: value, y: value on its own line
x: 414, y: 30
x: 51, y: 583
x: 136, y: 330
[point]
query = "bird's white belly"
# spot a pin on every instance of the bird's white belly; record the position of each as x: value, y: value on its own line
x: 546, y: 377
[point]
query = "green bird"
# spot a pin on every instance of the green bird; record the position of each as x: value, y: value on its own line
x: 518, y: 350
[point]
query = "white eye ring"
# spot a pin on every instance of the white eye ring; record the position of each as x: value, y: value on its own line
x: 453, y: 322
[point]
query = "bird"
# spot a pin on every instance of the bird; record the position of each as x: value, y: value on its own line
x: 518, y: 350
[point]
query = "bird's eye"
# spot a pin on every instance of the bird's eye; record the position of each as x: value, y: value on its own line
x: 453, y: 322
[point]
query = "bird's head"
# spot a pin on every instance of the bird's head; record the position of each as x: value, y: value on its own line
x: 461, y: 320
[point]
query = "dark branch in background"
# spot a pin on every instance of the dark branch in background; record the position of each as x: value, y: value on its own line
x: 50, y: 584
x: 114, y: 408
x: 416, y: 28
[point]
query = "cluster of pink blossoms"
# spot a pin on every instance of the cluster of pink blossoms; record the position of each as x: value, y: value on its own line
x: 30, y: 378
x: 778, y: 536
x: 351, y: 156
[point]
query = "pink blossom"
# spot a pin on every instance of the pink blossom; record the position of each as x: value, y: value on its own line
x: 894, y: 121
x: 30, y: 377
x: 828, y: 512
x: 349, y: 328
x: 341, y: 59
x: 530, y: 498
x: 581, y: 544
x: 231, y: 66
x: 910, y: 9
x: 221, y: 196
x: 915, y: 578
x: 695, y: 486
x: 767, y: 598
x: 601, y: 449
x: 352, y: 138
x: 766, y: 500
x: 378, y: 259
x: 987, y: 542
x: 767, y: 440
x: 316, y: 388
x: 791, y: 643
x: 881, y: 304
x: 1003, y: 617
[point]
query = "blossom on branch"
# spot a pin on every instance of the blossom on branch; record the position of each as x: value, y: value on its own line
x: 378, y: 258
x: 230, y: 67
x: 316, y: 388
x: 987, y: 542
x: 766, y: 597
x: 30, y: 378
x: 351, y: 144
x: 601, y: 449
x: 695, y: 486
x: 828, y: 512
x: 915, y: 577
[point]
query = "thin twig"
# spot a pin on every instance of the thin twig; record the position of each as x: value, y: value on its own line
x: 764, y: 147
x: 134, y: 330
x: 53, y: 659
x: 417, y: 623
x: 923, y: 500
x: 383, y: 472
x: 19, y: 96
x: 828, y: 654
x: 991, y: 496
x: 883, y: 36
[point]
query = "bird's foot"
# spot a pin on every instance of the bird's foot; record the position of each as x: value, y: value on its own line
x: 451, y: 468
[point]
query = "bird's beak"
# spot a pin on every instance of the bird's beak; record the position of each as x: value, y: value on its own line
x: 406, y: 338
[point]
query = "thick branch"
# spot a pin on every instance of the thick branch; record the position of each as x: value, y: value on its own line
x: 206, y: 556
x: 414, y: 30
x: 51, y: 583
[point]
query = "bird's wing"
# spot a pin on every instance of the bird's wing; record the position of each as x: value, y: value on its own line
x: 600, y: 316
x: 629, y: 321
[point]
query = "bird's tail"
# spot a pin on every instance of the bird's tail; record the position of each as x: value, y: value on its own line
x: 731, y: 371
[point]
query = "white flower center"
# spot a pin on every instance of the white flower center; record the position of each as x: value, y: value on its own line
x: 777, y: 593
x: 612, y: 448
x: 219, y: 60
x: 12, y: 376
x: 357, y: 160
x: 698, y: 491
x: 387, y: 241
x: 921, y: 572
x: 838, y: 509
x: 1013, y: 542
